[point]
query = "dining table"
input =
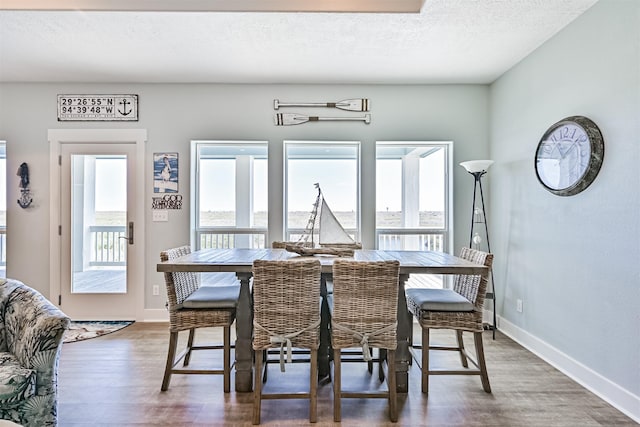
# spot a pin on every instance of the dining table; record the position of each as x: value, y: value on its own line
x: 240, y: 261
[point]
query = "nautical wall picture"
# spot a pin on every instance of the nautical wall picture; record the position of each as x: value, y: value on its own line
x: 165, y: 172
x: 97, y: 108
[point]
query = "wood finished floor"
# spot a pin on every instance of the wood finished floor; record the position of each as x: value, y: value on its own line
x: 115, y: 380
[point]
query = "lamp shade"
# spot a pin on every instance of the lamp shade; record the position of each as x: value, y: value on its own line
x: 474, y: 166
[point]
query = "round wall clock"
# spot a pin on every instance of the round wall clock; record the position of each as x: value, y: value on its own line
x: 569, y: 156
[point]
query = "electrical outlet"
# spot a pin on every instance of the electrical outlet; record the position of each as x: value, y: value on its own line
x: 156, y: 290
x: 519, y: 305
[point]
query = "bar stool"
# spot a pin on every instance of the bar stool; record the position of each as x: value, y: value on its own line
x: 365, y: 306
x: 286, y: 314
x: 192, y: 306
x: 458, y: 309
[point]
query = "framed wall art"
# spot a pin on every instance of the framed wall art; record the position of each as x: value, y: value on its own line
x: 165, y: 172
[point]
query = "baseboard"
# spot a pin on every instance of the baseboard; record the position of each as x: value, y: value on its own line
x: 156, y: 315
x: 620, y: 398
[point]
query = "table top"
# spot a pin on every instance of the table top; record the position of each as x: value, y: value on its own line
x: 241, y: 261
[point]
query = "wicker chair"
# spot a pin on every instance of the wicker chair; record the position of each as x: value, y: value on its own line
x: 300, y: 355
x: 286, y: 314
x: 365, y: 307
x: 192, y: 306
x: 459, y: 309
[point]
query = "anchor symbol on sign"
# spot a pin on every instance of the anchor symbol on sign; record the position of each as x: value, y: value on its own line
x: 124, y: 103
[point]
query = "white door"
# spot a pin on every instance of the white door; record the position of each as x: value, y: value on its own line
x: 99, y: 231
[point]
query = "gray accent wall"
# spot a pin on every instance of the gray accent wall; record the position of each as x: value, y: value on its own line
x: 573, y: 261
x: 176, y: 114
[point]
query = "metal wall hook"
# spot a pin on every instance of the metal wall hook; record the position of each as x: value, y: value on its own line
x: 25, y: 199
x: 25, y: 194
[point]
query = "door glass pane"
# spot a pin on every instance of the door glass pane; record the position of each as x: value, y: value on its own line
x: 98, y: 223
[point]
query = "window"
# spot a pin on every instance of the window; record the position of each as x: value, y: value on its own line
x: 229, y: 194
x: 335, y: 166
x: 412, y: 195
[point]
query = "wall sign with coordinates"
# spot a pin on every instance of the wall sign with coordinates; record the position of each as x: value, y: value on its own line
x: 97, y: 108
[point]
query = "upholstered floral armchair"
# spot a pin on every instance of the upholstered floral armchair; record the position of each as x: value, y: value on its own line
x: 31, y: 333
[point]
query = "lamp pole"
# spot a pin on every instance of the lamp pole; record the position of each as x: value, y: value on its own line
x: 478, y: 169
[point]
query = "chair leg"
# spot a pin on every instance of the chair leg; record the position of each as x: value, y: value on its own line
x: 227, y: 359
x: 171, y: 354
x: 425, y: 360
x: 313, y: 387
x: 391, y: 383
x: 370, y: 362
x: 337, y: 387
x: 265, y: 354
x: 187, y: 356
x: 477, y: 337
x: 463, y: 358
x: 382, y: 356
x: 257, y: 388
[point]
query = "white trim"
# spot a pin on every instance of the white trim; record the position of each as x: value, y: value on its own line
x: 357, y: 6
x: 56, y: 138
x: 152, y: 315
x: 617, y: 396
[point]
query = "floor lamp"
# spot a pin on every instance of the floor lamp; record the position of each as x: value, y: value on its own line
x: 477, y: 168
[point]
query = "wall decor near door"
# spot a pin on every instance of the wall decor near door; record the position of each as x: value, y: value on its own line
x: 165, y: 172
x: 98, y: 108
x: 25, y: 194
x: 360, y: 104
x: 173, y: 201
x: 288, y: 119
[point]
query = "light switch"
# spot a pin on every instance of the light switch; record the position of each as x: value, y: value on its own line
x: 160, y: 215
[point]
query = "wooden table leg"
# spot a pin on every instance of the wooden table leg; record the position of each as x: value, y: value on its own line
x: 325, y: 337
x: 403, y: 355
x: 244, y: 327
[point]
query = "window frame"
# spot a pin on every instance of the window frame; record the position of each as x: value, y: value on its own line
x: 3, y: 227
x: 447, y: 231
x: 357, y: 232
x: 226, y: 234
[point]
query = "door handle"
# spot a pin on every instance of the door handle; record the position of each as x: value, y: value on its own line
x: 129, y: 238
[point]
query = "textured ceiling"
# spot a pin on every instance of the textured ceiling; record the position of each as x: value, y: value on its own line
x: 450, y: 41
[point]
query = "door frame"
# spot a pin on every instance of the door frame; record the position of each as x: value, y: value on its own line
x: 58, y: 137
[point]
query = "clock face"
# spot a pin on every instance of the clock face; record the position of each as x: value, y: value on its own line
x: 569, y: 156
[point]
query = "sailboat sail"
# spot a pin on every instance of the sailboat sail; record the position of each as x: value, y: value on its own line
x: 331, y: 232
x: 333, y: 239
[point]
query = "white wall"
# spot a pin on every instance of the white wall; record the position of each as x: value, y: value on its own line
x: 176, y: 114
x: 574, y: 261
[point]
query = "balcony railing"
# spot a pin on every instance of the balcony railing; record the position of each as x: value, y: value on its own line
x: 294, y: 234
x: 107, y: 248
x: 411, y: 239
x: 228, y: 238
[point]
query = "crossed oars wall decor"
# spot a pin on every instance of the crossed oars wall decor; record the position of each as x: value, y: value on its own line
x: 288, y: 119
x: 361, y: 104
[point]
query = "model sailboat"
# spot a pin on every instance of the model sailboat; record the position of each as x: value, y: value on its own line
x: 332, y: 238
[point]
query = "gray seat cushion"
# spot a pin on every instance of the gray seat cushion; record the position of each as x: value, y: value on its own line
x: 437, y: 300
x: 213, y: 297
